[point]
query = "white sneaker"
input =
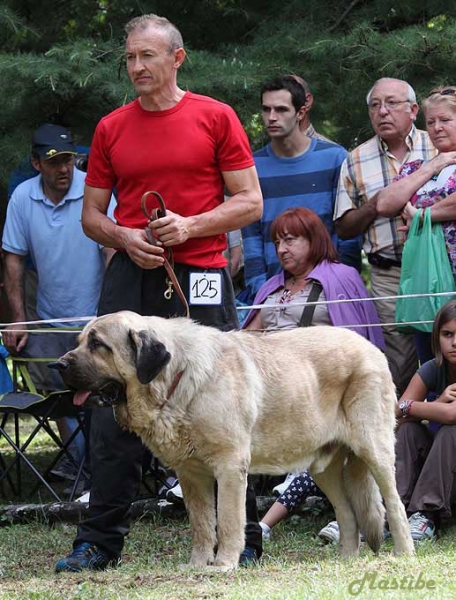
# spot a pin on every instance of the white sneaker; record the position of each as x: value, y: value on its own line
x: 421, y: 527
x: 84, y: 498
x: 265, y: 532
x: 175, y: 494
x: 170, y: 482
x: 278, y: 490
x: 330, y: 533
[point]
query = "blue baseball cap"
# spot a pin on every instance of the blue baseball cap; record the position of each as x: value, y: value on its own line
x: 49, y: 140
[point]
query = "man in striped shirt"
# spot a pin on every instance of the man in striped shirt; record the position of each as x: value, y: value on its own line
x: 369, y: 168
x: 294, y: 170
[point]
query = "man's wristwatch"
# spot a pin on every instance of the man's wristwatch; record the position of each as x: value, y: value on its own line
x: 404, y: 407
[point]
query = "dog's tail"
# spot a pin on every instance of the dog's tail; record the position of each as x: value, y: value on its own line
x: 365, y: 500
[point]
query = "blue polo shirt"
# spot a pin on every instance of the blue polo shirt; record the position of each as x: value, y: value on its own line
x: 70, y: 265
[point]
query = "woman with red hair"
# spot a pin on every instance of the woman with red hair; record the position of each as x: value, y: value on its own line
x: 311, y: 272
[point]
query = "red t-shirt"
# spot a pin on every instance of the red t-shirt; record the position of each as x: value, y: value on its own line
x: 179, y: 153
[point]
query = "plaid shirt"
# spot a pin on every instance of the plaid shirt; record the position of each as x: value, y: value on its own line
x: 369, y: 168
x: 310, y: 131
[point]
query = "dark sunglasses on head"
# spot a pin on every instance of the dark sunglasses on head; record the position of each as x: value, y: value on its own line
x: 448, y: 92
x: 444, y: 92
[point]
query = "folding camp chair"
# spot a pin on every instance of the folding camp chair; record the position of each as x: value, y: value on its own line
x: 25, y: 400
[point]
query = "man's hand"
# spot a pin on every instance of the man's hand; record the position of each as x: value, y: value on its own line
x: 14, y: 338
x: 356, y: 221
x: 140, y: 250
x: 171, y: 230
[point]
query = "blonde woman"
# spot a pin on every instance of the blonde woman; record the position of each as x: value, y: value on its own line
x: 432, y: 183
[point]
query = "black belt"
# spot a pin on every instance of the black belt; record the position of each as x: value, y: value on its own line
x: 381, y: 262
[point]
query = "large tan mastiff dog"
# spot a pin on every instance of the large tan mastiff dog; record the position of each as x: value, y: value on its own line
x: 216, y: 406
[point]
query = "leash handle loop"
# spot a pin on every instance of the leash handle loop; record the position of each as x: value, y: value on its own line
x: 171, y: 280
x: 156, y: 213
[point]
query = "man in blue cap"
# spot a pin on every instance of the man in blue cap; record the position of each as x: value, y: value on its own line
x: 43, y: 223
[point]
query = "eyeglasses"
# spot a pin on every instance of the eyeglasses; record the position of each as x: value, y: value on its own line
x: 288, y: 241
x: 439, y: 92
x: 447, y: 92
x: 376, y: 105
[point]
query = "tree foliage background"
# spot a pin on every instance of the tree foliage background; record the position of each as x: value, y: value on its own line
x: 63, y: 61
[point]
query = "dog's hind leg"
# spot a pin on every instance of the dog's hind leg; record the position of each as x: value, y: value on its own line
x: 365, y: 500
x: 231, y: 517
x: 331, y: 482
x: 369, y: 411
x: 199, y: 499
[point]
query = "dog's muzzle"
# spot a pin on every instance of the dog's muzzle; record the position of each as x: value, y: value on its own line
x: 60, y: 365
x: 108, y: 395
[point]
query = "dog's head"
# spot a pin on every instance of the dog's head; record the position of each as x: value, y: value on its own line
x: 112, y: 351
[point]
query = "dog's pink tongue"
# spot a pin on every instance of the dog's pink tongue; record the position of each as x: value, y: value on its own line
x: 80, y: 397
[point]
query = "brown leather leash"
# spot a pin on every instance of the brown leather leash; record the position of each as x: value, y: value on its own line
x: 171, y: 280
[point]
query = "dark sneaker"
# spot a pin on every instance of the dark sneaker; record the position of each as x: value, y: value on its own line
x: 80, y: 489
x: 249, y: 557
x: 86, y: 556
x: 65, y: 469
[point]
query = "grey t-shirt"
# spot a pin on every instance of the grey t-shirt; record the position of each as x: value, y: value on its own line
x: 435, y: 378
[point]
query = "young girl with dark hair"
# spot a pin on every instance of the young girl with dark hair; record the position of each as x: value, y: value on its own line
x: 426, y: 436
x: 426, y: 455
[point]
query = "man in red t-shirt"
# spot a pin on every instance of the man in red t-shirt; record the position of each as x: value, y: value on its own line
x: 188, y: 148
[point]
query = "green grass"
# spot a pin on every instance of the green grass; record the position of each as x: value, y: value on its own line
x: 296, y: 564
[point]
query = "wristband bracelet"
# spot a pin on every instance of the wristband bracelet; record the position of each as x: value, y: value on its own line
x: 404, y: 407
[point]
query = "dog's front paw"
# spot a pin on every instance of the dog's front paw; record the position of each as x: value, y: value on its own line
x: 201, y: 559
x: 225, y: 562
x: 221, y: 568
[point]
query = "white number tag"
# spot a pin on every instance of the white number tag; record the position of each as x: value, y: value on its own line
x: 205, y: 288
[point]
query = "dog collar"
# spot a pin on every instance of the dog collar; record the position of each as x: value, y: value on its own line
x: 174, y: 385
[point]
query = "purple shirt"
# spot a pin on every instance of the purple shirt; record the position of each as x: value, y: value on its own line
x: 339, y: 282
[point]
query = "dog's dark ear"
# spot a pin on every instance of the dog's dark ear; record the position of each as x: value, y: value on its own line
x: 151, y: 355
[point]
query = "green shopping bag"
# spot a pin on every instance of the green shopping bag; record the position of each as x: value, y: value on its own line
x: 425, y: 269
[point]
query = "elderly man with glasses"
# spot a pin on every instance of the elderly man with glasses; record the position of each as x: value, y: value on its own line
x: 369, y: 168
